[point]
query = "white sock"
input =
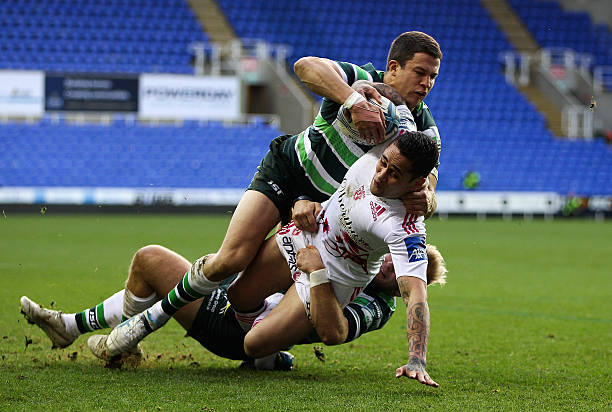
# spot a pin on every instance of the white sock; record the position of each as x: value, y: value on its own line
x: 106, y: 314
x: 133, y: 304
x: 246, y: 319
x: 71, y: 325
x: 156, y: 315
x: 271, y: 302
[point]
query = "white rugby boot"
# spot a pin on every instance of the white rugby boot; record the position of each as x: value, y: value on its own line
x: 50, y: 321
x: 97, y: 346
x: 127, y: 334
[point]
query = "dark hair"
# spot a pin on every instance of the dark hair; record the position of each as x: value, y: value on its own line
x: 420, y: 149
x: 407, y: 44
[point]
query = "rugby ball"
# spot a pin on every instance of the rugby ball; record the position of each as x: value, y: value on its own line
x: 392, y: 122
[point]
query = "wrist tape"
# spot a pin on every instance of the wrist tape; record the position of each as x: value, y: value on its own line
x: 352, y: 100
x: 318, y: 277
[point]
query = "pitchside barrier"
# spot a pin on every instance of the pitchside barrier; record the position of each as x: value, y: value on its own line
x: 449, y: 202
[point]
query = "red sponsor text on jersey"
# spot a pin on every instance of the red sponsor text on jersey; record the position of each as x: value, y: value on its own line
x: 359, y: 193
x: 286, y: 229
x: 377, y: 210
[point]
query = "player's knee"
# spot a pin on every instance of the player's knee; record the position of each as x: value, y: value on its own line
x: 145, y: 258
x: 254, y: 347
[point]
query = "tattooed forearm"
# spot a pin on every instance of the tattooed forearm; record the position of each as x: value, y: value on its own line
x: 389, y: 92
x: 418, y: 329
x: 416, y: 364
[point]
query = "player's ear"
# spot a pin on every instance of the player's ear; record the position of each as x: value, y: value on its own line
x: 392, y: 66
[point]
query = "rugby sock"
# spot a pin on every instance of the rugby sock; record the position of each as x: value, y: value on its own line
x: 133, y: 304
x: 193, y: 286
x: 104, y: 315
x: 246, y: 319
x: 271, y: 302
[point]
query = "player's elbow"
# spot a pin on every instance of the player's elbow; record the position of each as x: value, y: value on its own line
x: 332, y: 336
x: 332, y: 339
x: 303, y: 64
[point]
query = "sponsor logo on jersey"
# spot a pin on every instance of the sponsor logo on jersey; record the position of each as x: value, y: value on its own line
x: 359, y: 193
x: 377, y: 210
x: 286, y: 229
x: 289, y: 248
x: 416, y: 248
x: 345, y: 220
x: 346, y: 248
x: 275, y: 187
x: 212, y: 301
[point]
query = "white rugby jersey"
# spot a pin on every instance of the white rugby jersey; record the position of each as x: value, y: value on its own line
x: 357, y: 228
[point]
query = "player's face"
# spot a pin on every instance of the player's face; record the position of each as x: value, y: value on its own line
x: 416, y: 79
x: 393, y: 177
x: 385, y: 280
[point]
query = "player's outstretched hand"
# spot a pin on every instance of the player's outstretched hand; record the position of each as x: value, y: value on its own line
x: 309, y: 259
x: 415, y: 370
x: 304, y: 215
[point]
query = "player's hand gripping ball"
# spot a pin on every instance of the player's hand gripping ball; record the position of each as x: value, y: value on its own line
x: 349, y: 129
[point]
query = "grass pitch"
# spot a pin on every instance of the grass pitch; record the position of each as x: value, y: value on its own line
x: 524, y: 324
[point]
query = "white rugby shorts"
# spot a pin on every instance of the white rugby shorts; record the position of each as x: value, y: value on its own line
x: 290, y: 239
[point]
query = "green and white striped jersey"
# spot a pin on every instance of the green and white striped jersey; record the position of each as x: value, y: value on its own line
x: 325, y: 153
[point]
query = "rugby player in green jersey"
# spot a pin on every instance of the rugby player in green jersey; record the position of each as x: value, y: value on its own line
x: 155, y: 270
x: 314, y: 162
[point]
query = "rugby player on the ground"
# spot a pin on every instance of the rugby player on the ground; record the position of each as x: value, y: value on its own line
x: 211, y: 320
x: 314, y: 162
x: 362, y: 221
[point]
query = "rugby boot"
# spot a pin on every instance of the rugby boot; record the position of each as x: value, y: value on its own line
x: 50, y: 321
x: 127, y: 334
x: 97, y: 345
x: 283, y: 361
x: 279, y: 361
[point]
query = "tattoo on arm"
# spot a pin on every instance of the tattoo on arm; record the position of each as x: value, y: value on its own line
x: 389, y: 92
x: 418, y: 330
x: 416, y: 364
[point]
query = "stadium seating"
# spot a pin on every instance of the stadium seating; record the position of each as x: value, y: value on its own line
x: 565, y: 29
x: 101, y: 36
x: 193, y: 155
x: 485, y: 123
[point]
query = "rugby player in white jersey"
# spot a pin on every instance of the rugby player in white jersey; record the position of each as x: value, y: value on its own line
x: 314, y: 162
x: 361, y: 222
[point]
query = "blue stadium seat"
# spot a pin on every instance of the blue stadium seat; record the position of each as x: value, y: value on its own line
x: 98, y: 27
x: 123, y: 155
